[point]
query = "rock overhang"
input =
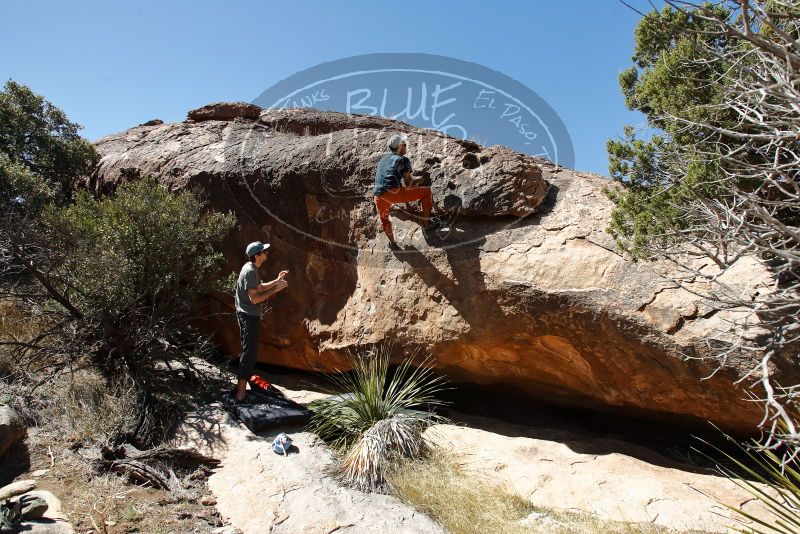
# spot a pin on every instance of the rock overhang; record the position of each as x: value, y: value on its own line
x: 528, y: 289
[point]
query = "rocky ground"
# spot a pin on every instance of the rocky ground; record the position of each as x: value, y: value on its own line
x: 553, y: 466
x: 51, y: 521
x: 259, y: 491
x: 613, y: 479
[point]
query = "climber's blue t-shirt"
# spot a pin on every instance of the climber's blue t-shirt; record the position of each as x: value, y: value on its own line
x: 390, y: 172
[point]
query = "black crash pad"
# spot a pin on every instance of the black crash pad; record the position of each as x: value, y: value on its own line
x: 263, y: 409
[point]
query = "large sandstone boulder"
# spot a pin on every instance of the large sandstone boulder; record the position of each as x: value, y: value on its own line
x: 525, y: 291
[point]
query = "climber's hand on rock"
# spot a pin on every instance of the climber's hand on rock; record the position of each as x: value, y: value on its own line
x: 281, y: 285
x: 282, y: 274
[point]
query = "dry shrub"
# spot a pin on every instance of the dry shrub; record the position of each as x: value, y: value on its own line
x: 93, y: 409
x: 62, y: 404
x: 388, y: 441
x: 461, y: 503
x: 17, y: 326
x: 88, y: 499
x: 79, y: 407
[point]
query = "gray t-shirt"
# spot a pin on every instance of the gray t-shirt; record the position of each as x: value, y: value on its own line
x: 248, y: 279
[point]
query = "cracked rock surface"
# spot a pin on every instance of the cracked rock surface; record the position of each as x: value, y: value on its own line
x: 521, y: 289
x: 260, y: 492
x: 615, y: 480
x: 553, y: 467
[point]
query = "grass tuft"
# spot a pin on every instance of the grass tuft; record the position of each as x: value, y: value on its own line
x: 465, y: 503
x: 460, y: 503
x: 368, y: 461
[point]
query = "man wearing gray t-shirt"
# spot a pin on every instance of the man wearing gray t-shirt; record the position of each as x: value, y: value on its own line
x: 250, y: 293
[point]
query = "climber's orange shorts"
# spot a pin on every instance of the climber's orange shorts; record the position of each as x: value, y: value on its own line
x: 398, y: 195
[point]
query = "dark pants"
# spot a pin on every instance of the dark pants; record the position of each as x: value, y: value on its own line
x: 248, y: 335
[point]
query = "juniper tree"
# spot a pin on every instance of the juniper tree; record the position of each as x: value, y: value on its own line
x: 717, y: 179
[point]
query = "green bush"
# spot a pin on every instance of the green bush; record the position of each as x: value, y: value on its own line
x: 113, y: 283
x: 120, y: 281
x: 135, y: 267
x: 673, y: 79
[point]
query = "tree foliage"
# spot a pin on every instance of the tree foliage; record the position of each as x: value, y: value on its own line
x: 135, y: 267
x: 114, y: 283
x: 718, y: 181
x: 37, y: 136
x: 22, y: 191
x: 674, y: 79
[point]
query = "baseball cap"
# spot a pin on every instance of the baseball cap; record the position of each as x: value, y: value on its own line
x: 395, y: 140
x: 255, y: 247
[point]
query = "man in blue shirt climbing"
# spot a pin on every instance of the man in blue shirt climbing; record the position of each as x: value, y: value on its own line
x: 393, y: 186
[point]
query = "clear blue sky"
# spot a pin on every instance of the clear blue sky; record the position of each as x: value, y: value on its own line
x: 113, y: 65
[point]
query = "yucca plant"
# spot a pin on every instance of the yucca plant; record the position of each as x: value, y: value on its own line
x: 377, y: 416
x: 772, y: 479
